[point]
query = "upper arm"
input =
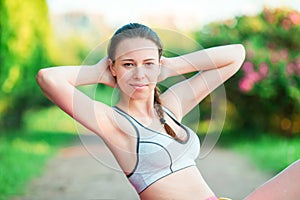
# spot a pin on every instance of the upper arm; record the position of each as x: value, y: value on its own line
x: 94, y: 115
x: 185, y: 95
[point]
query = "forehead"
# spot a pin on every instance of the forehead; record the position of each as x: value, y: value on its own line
x: 136, y: 47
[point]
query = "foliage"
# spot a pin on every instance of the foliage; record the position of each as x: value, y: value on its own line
x: 23, y: 156
x: 50, y: 119
x: 28, y: 44
x: 25, y: 35
x: 266, y: 91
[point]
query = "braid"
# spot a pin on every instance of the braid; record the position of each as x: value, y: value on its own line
x: 160, y: 113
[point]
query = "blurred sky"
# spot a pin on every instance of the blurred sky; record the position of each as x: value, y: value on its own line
x: 186, y: 13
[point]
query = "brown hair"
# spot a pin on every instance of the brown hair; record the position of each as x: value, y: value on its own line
x: 136, y: 30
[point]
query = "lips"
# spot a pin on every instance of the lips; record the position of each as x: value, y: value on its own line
x: 138, y: 85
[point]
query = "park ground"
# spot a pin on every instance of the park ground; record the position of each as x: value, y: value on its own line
x: 77, y: 173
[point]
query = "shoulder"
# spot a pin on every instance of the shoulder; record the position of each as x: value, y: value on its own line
x: 172, y: 109
x: 113, y: 127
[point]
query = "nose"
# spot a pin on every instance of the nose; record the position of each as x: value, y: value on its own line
x: 139, y: 72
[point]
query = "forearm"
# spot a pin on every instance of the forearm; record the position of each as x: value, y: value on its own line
x: 76, y: 75
x: 206, y: 59
x: 60, y: 82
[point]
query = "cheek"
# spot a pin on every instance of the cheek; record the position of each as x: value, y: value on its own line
x: 153, y: 73
x: 123, y: 76
x: 128, y: 73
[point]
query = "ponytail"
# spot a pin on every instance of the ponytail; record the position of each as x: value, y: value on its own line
x: 160, y: 113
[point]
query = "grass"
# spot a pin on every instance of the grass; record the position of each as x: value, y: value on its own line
x: 269, y: 152
x: 24, y: 153
x: 23, y: 156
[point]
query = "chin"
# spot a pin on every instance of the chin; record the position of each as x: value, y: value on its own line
x: 140, y: 95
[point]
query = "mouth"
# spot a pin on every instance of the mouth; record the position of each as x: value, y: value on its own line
x: 139, y: 86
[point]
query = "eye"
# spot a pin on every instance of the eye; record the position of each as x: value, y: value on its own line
x: 149, y: 64
x: 128, y: 65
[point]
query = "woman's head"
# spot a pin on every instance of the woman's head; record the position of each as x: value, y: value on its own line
x: 134, y: 56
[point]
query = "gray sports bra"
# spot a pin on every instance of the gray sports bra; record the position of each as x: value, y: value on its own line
x: 158, y: 154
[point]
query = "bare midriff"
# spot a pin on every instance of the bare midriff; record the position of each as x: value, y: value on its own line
x: 184, y: 184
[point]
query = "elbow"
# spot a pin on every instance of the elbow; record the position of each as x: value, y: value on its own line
x: 41, y: 76
x: 44, y: 78
x: 242, y: 52
x: 240, y: 55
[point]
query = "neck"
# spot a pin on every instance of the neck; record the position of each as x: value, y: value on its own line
x: 138, y: 107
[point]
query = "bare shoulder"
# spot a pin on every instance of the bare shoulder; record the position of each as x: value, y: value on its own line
x: 112, y: 127
x: 172, y: 104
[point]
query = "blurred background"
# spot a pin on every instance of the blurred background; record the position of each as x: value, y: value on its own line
x: 263, y: 98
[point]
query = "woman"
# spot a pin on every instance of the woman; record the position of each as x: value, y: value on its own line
x: 143, y: 130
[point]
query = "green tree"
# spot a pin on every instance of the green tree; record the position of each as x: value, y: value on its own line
x: 25, y: 35
x: 266, y: 91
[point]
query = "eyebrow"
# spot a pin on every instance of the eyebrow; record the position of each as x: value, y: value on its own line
x: 132, y: 60
x: 127, y: 59
x: 149, y: 59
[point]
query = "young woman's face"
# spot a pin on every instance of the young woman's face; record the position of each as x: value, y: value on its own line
x: 136, y: 67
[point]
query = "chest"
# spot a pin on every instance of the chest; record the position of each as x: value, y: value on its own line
x: 160, y: 150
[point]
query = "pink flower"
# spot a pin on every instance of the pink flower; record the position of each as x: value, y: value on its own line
x: 263, y: 69
x: 248, y: 67
x: 254, y: 77
x: 245, y: 85
x: 295, y: 18
x: 290, y: 68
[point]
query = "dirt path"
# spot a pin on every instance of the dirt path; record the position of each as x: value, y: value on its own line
x: 75, y: 174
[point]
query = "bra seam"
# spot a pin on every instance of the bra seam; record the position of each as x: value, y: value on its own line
x: 178, y: 123
x: 137, y: 143
x: 166, y: 176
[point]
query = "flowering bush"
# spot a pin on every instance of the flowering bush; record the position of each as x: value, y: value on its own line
x: 267, y: 88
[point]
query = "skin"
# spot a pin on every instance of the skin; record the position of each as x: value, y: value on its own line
x: 283, y: 186
x: 137, y: 69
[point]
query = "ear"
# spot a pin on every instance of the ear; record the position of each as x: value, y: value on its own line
x: 111, y: 67
x: 160, y: 64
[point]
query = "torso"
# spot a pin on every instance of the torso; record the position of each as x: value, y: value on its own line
x: 158, y: 166
x: 184, y: 184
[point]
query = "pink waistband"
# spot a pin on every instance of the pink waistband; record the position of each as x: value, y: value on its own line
x: 216, y: 198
